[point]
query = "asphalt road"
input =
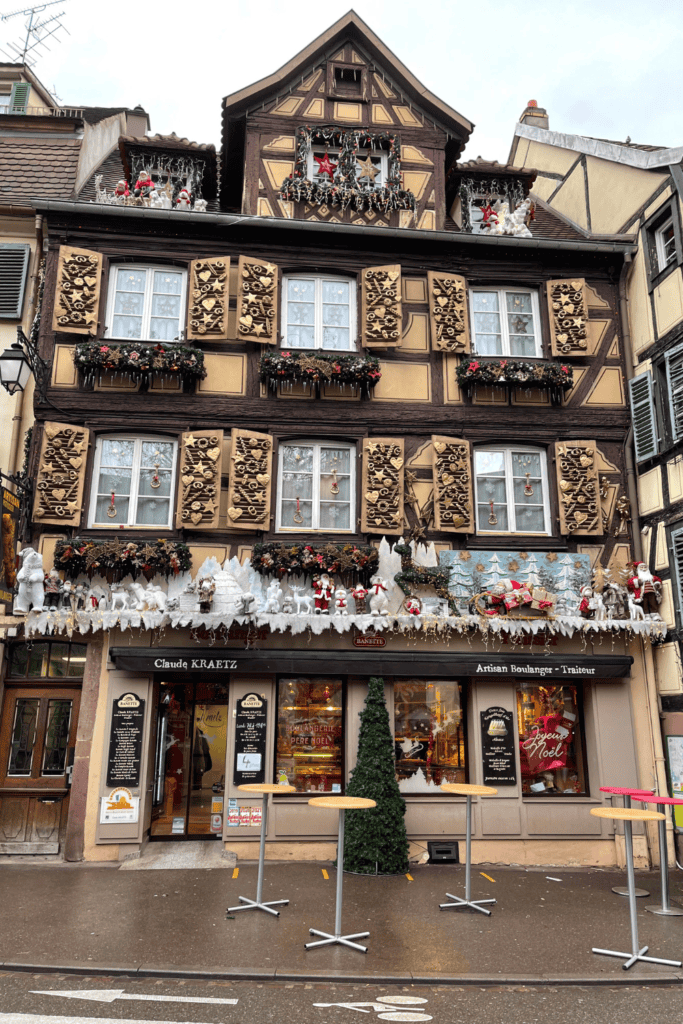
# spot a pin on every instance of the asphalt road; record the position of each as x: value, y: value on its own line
x: 112, y: 999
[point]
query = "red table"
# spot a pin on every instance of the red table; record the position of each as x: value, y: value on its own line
x: 622, y: 890
x: 662, y: 803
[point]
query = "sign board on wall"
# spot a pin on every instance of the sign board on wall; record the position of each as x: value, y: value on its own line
x: 119, y: 808
x: 251, y: 720
x: 10, y: 527
x: 125, y: 741
x: 498, y: 747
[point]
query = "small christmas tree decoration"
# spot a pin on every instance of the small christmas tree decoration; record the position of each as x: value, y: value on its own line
x: 376, y: 842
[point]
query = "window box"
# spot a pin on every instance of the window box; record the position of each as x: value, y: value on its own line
x: 138, y: 362
x: 313, y: 369
x: 115, y: 559
x: 353, y: 562
x: 556, y: 378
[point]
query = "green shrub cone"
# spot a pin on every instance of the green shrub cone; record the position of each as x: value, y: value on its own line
x: 375, y: 841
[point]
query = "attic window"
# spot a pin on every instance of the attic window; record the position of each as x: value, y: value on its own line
x: 348, y: 81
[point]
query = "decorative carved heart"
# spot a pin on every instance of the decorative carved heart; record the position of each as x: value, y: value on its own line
x: 442, y: 301
x: 396, y: 463
x: 586, y: 460
x: 447, y: 479
x: 196, y: 517
x: 205, y: 275
x: 234, y: 513
x: 392, y: 275
x: 213, y: 453
x: 372, y: 496
x: 576, y: 285
x: 76, y: 463
x: 263, y: 479
x: 440, y: 447
x: 565, y: 485
x: 51, y: 432
x: 580, y: 517
x: 208, y: 304
x: 59, y: 493
x: 266, y: 281
x: 246, y: 321
x: 380, y: 312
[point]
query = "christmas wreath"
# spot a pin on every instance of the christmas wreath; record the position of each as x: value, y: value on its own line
x: 115, y: 559
x: 515, y: 373
x: 315, y: 368
x: 134, y: 361
x: 358, y: 561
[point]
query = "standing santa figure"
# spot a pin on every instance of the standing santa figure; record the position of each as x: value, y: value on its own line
x: 323, y: 588
x: 645, y: 587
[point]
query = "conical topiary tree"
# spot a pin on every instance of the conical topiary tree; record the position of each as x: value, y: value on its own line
x: 375, y: 841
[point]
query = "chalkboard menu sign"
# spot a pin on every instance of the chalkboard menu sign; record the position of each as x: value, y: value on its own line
x: 498, y: 747
x: 250, y: 739
x: 125, y: 741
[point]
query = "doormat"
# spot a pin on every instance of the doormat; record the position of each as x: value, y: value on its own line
x: 202, y: 856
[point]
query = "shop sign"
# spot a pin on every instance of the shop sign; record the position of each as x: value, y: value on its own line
x: 125, y: 741
x: 498, y: 747
x: 567, y: 667
x: 251, y: 720
x: 10, y: 527
x: 120, y: 807
x: 369, y: 641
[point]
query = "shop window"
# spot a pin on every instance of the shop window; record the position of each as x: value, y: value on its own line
x: 133, y: 482
x: 429, y: 734
x: 506, y: 322
x: 40, y: 660
x: 319, y: 312
x: 512, y: 490
x: 316, y: 487
x: 146, y: 303
x: 551, y: 747
x: 310, y: 734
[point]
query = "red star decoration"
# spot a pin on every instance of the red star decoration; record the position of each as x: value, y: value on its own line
x: 325, y: 166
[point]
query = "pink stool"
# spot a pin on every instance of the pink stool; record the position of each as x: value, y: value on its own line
x: 662, y: 803
x: 622, y: 890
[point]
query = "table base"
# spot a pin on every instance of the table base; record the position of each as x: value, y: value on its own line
x: 255, y: 905
x: 666, y: 911
x: 632, y: 958
x: 622, y: 890
x: 458, y: 902
x: 343, y: 940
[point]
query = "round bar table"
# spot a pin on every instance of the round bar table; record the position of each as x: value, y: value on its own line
x: 464, y: 789
x: 264, y: 789
x: 622, y: 890
x: 628, y: 815
x: 662, y: 803
x: 342, y: 804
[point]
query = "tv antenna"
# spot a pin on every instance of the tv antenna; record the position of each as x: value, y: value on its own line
x: 38, y: 30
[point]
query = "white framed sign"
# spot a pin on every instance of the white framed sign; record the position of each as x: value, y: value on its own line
x: 120, y: 807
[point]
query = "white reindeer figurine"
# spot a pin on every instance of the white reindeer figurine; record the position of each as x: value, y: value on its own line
x: 302, y: 599
x: 119, y: 598
x: 635, y: 608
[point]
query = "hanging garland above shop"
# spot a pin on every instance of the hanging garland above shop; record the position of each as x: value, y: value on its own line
x: 134, y: 361
x: 360, y: 561
x: 469, y: 189
x: 115, y: 559
x: 315, y: 368
x: 515, y: 373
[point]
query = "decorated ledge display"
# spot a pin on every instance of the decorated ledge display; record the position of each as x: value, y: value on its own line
x: 360, y: 373
x: 556, y: 378
x: 472, y: 190
x: 115, y: 559
x: 348, y: 560
x: 148, y: 194
x: 132, y: 361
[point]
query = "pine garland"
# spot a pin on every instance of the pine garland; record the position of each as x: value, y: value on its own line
x: 137, y: 361
x: 315, y: 368
x: 515, y: 373
x: 358, y: 561
x: 116, y: 559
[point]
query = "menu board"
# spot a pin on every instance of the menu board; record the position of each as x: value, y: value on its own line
x: 251, y: 720
x: 498, y: 747
x: 125, y: 741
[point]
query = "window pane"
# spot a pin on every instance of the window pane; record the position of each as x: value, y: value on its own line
x: 37, y: 662
x: 336, y: 291
x: 305, y: 511
x: 77, y: 659
x: 104, y: 503
x: 335, y: 458
x: 335, y: 516
x: 56, y: 736
x: 335, y: 338
x: 489, y: 463
x: 23, y: 736
x: 131, y: 280
x: 521, y: 491
x: 486, y: 302
x: 484, y: 513
x: 157, y: 451
x: 129, y: 303
x: 429, y: 734
x: 335, y: 316
x: 300, y: 313
x: 526, y: 462
x: 19, y: 662
x: 152, y: 511
x: 309, y: 734
x: 163, y: 330
x: 551, y: 750
x: 59, y: 659
x: 300, y: 337
x: 298, y: 458
x: 117, y: 480
x: 300, y: 289
x: 168, y: 283
x: 518, y: 302
x: 128, y: 327
x: 159, y: 487
x: 530, y: 519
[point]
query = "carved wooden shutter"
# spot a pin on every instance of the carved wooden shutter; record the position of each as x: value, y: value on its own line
x: 382, y: 485
x: 578, y: 488
x: 568, y: 316
x: 207, y: 307
x: 453, y: 494
x: 448, y: 313
x: 77, y: 292
x: 199, y: 483
x: 382, y: 312
x: 251, y: 458
x: 61, y: 474
x: 257, y: 301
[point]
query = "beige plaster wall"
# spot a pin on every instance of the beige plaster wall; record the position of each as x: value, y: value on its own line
x: 650, y: 491
x: 404, y: 382
x: 653, y: 207
x: 668, y: 668
x: 548, y: 158
x: 616, y: 192
x: 571, y: 199
x: 639, y: 311
x: 90, y: 850
x: 668, y: 300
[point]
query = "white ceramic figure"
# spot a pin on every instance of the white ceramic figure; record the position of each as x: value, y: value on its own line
x: 302, y: 599
x: 517, y: 220
x: 246, y: 604
x: 136, y: 601
x: 379, y: 597
x: 183, y: 202
x: 598, y: 605
x: 80, y: 597
x: 172, y: 604
x: 614, y: 597
x: 635, y: 608
x: 119, y: 598
x: 155, y: 598
x: 273, y: 595
x: 30, y: 582
x: 166, y: 201
x: 341, y: 602
x: 200, y: 206
x: 155, y: 200
x: 288, y: 603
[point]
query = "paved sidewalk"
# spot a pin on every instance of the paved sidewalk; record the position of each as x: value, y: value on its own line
x: 106, y: 921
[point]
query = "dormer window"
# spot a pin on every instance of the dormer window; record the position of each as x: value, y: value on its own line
x: 348, y: 81
x: 371, y: 166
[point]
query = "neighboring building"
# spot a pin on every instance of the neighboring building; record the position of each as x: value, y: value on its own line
x: 377, y: 366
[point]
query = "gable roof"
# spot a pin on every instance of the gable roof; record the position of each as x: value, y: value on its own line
x: 646, y: 158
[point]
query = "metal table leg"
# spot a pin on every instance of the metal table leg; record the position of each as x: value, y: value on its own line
x: 622, y: 890
x: 468, y: 901
x: 342, y: 940
x: 666, y: 909
x: 636, y: 952
x: 257, y: 904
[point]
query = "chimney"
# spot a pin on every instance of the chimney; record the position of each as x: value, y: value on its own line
x: 534, y: 115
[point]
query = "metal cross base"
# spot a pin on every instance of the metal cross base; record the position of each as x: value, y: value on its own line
x: 457, y: 902
x: 343, y: 940
x: 254, y: 905
x: 622, y: 890
x: 632, y: 958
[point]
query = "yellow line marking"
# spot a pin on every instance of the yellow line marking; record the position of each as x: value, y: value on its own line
x: 235, y: 872
x: 325, y: 875
x: 410, y: 878
x: 487, y: 876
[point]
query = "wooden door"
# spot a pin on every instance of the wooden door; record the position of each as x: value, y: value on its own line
x: 37, y: 733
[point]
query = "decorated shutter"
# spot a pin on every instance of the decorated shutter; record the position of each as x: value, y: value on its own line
x: 257, y: 301
x: 77, y: 292
x: 448, y: 314
x: 61, y: 474
x: 643, y: 414
x: 199, y: 485
x: 251, y: 457
x: 568, y: 313
x: 382, y: 485
x: 382, y: 312
x: 207, y: 309
x: 674, y: 376
x: 453, y: 496
x: 578, y: 488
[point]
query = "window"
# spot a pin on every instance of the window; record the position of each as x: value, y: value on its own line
x: 665, y: 241
x: 511, y: 490
x: 316, y: 487
x: 319, y: 312
x: 133, y: 482
x: 310, y: 715
x: 506, y: 322
x: 46, y: 659
x: 662, y: 242
x: 348, y: 81
x: 146, y: 303
x: 371, y: 168
x: 13, y: 269
x: 429, y: 733
x: 552, y: 759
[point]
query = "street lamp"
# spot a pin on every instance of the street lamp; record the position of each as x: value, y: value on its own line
x: 18, y: 362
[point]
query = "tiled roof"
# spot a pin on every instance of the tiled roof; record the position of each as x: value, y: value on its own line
x: 44, y: 168
x: 481, y: 166
x: 171, y: 141
x: 111, y: 170
x: 95, y: 114
x: 547, y: 224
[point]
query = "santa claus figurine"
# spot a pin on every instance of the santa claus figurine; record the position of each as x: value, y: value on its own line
x: 122, y: 191
x: 359, y: 595
x: 644, y: 585
x: 323, y: 588
x: 144, y: 184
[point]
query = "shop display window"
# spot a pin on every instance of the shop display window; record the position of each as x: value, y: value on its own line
x: 310, y: 716
x: 551, y: 745
x: 46, y: 659
x: 429, y: 733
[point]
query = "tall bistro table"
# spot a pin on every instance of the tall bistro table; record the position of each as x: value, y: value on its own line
x: 342, y: 804
x: 264, y: 789
x: 626, y: 793
x: 662, y: 802
x: 466, y: 790
x: 629, y: 815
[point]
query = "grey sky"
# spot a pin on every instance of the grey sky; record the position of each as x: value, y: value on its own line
x: 607, y: 68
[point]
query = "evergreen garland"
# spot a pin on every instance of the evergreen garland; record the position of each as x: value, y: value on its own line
x: 116, y: 558
x: 137, y: 361
x: 515, y: 373
x: 375, y: 841
x: 315, y: 368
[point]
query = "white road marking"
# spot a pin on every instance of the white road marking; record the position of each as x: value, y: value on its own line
x: 403, y: 1015
x: 109, y: 995
x: 387, y: 1007
x: 40, y: 1018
